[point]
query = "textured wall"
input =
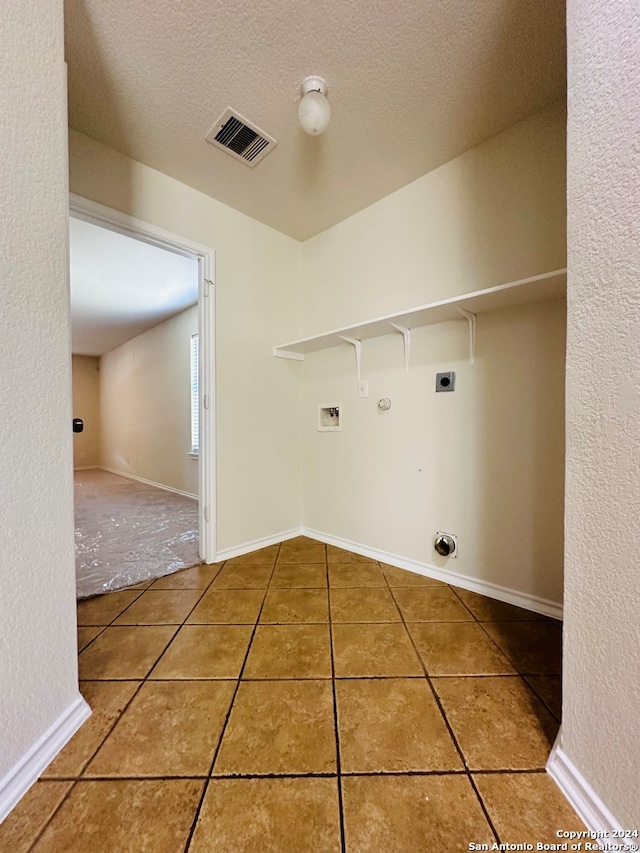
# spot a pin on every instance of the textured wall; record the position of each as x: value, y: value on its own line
x: 602, y: 646
x: 258, y: 302
x: 86, y: 405
x: 145, y: 401
x: 486, y: 462
x: 38, y: 664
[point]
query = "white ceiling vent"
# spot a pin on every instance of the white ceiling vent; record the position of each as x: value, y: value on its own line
x: 239, y: 138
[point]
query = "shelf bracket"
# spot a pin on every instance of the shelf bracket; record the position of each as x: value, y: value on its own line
x: 283, y: 353
x: 358, y: 348
x: 406, y: 335
x: 471, y: 320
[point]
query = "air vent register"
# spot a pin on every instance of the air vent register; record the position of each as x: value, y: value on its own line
x: 240, y: 138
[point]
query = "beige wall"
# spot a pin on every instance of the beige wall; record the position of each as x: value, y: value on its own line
x: 258, y: 302
x: 86, y: 405
x: 38, y: 662
x: 485, y: 462
x: 492, y: 215
x: 601, y: 702
x: 145, y: 400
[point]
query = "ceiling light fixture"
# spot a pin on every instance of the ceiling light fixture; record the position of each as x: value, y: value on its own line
x: 314, y: 111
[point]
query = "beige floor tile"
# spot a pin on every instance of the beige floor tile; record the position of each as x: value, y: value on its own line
x: 125, y: 652
x: 19, y: 830
x: 205, y: 651
x: 392, y: 724
x: 355, y: 575
x: 370, y: 650
x: 491, y: 610
x: 103, y: 609
x: 412, y: 814
x: 532, y: 647
x: 431, y: 605
x: 198, y: 577
x: 85, y: 635
x: 107, y: 700
x: 279, y: 727
x: 261, y: 815
x: 243, y: 577
x: 340, y: 555
x: 302, y: 550
x: 498, y: 722
x: 299, y: 575
x: 290, y: 651
x: 160, y: 607
x: 230, y: 606
x: 526, y: 807
x: 549, y: 689
x: 143, y: 816
x: 402, y: 577
x: 171, y: 728
x: 364, y: 604
x: 295, y: 605
x: 458, y: 648
x: 263, y: 556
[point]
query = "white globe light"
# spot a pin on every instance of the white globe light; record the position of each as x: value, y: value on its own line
x: 314, y: 110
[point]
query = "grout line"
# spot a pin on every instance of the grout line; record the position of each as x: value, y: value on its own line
x: 538, y: 696
x: 249, y: 678
x: 343, y: 842
x: 529, y: 771
x: 463, y: 603
x: 109, y: 624
x: 446, y: 721
x: 228, y: 714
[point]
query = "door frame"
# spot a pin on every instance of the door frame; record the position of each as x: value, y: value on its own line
x: 98, y: 214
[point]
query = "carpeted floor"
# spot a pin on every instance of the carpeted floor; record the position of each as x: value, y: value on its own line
x: 128, y: 532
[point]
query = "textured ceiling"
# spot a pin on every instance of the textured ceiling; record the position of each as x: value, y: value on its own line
x: 412, y: 84
x: 120, y: 287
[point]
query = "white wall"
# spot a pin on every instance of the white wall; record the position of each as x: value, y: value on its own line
x: 145, y: 400
x: 602, y: 640
x: 38, y: 665
x: 258, y: 299
x: 86, y: 405
x: 485, y: 462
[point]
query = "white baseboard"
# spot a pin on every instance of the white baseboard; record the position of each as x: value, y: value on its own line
x: 148, y: 482
x: 87, y: 468
x: 247, y: 547
x: 18, y: 780
x: 502, y: 593
x: 588, y: 805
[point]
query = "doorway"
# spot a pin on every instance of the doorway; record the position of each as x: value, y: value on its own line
x: 195, y: 314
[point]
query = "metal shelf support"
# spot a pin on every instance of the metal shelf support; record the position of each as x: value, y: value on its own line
x: 358, y: 348
x: 471, y: 319
x: 406, y: 335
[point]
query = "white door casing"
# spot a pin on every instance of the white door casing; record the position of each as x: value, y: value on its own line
x: 98, y: 214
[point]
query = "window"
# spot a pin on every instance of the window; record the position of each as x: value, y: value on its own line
x: 195, y: 394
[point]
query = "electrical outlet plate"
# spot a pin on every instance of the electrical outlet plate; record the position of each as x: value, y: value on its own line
x: 446, y: 381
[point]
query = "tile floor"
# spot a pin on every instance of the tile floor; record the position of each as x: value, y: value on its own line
x: 304, y: 699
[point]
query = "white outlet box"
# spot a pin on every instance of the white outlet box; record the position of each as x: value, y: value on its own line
x: 363, y: 388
